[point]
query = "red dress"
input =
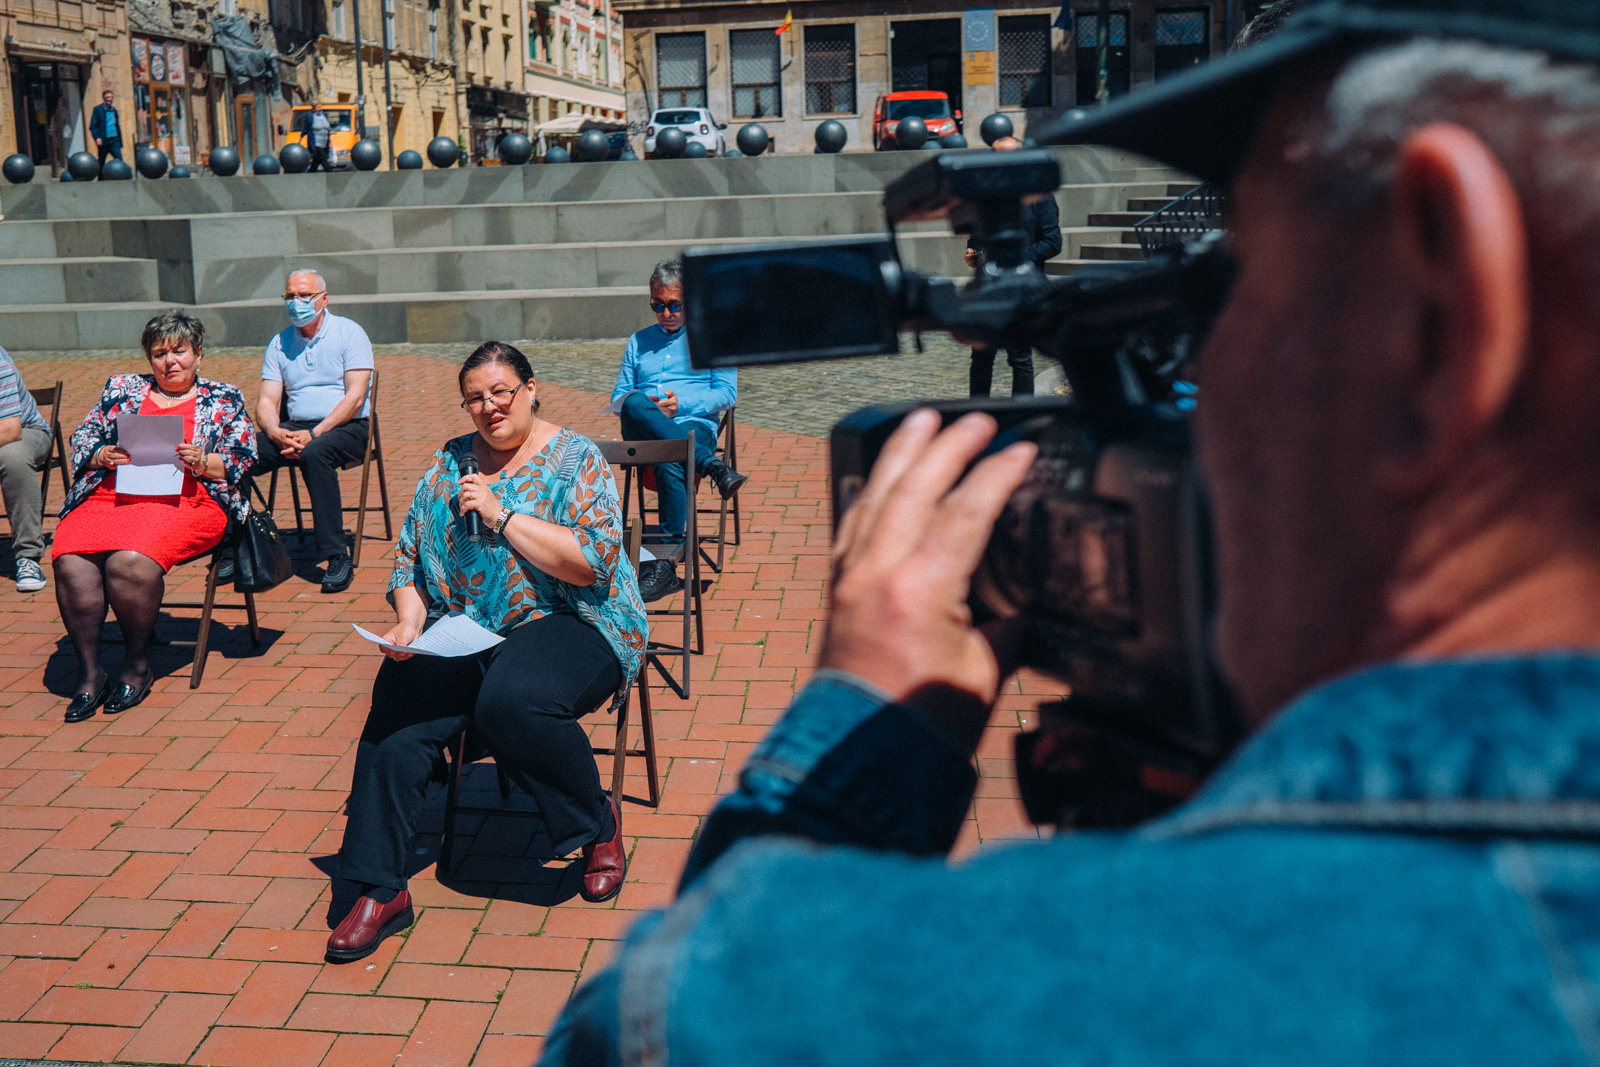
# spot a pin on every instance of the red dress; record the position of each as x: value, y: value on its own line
x: 167, y: 529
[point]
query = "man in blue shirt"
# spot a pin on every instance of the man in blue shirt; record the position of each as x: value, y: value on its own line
x: 666, y: 398
x: 1402, y: 865
x: 319, y: 367
x: 105, y: 128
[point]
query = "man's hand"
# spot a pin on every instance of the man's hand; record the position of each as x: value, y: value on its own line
x: 903, y: 562
x: 973, y: 257
x: 290, y: 442
x: 668, y: 404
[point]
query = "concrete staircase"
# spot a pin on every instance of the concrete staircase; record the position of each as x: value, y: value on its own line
x: 1095, y: 247
x: 456, y: 256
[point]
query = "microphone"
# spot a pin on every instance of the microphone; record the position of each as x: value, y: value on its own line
x: 469, y: 465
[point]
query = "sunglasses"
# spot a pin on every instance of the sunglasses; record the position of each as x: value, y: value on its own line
x: 673, y: 306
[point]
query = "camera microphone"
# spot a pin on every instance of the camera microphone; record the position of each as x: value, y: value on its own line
x: 469, y: 465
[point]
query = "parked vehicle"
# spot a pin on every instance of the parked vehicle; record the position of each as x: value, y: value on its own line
x: 342, y: 134
x: 696, y: 124
x: 931, y: 107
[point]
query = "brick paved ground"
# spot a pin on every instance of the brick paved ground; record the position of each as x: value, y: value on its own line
x: 164, y: 876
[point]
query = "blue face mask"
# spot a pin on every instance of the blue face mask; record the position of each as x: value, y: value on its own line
x: 302, y: 309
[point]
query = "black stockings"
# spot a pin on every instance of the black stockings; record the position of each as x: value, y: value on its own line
x: 132, y: 583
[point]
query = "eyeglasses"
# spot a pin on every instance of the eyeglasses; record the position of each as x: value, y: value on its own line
x: 673, y: 306
x: 499, y: 397
x: 297, y: 296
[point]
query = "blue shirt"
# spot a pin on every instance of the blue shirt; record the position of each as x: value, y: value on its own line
x: 312, y: 369
x: 656, y: 361
x: 15, y: 400
x: 1402, y: 868
x: 113, y: 131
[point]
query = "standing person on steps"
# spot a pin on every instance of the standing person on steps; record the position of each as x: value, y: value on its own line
x: 105, y: 128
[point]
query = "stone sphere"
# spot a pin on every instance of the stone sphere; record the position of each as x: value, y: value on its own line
x: 628, y: 156
x: 732, y: 153
x: 911, y: 133
x: 294, y: 158
x: 444, y: 152
x: 515, y: 149
x: 994, y: 127
x: 593, y: 146
x: 116, y: 170
x: 831, y: 136
x: 265, y: 164
x: 83, y: 167
x: 180, y: 171
x: 66, y: 176
x: 151, y: 162
x: 224, y: 161
x: 18, y: 169
x: 366, y: 155
x: 753, y: 139
x: 671, y: 143
x: 556, y: 154
x: 410, y: 159
x: 695, y: 150
x: 953, y: 140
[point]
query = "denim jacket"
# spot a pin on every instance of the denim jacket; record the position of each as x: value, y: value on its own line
x: 1403, y: 867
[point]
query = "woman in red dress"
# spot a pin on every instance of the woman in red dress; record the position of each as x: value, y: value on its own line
x: 114, y: 548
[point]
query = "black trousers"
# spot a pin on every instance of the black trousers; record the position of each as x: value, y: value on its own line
x: 319, y: 462
x: 110, y: 146
x: 319, y: 158
x: 1021, y: 360
x: 522, y: 699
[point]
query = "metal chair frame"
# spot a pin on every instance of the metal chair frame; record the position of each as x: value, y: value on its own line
x: 56, y: 455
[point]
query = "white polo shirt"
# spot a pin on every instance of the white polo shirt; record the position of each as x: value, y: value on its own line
x: 312, y: 369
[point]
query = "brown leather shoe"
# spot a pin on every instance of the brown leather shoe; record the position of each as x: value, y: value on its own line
x: 605, y: 863
x: 368, y: 923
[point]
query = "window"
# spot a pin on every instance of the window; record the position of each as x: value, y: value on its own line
x: 1025, y: 61
x: 681, y: 69
x: 754, y: 55
x: 1086, y: 27
x: 1182, y: 41
x: 830, y: 69
x: 433, y: 31
x: 338, y: 20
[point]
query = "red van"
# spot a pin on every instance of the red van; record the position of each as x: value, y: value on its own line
x: 931, y: 107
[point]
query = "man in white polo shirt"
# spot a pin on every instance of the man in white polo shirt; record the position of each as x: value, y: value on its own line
x: 322, y: 364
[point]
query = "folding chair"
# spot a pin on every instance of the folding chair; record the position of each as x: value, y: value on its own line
x: 56, y: 455
x: 632, y: 456
x: 729, y: 450
x: 372, y: 454
x: 619, y: 750
x: 207, y: 606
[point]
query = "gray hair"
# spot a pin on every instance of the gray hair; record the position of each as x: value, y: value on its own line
x: 668, y: 272
x: 322, y: 283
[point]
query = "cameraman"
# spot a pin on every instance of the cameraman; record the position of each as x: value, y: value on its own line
x: 1397, y: 429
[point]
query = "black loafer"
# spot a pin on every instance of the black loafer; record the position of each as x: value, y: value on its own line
x: 127, y: 696
x: 337, y: 578
x: 83, y: 704
x: 726, y: 479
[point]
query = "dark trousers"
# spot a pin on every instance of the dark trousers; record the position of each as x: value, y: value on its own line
x: 643, y: 421
x: 110, y: 146
x: 320, y: 463
x: 319, y: 158
x: 1021, y: 360
x: 522, y: 699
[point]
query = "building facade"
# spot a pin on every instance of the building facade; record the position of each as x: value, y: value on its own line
x: 58, y: 58
x: 574, y: 60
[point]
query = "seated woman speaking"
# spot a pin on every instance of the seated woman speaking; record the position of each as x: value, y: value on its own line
x: 548, y: 574
x: 117, y: 548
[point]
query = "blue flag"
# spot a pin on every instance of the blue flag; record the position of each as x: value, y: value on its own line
x: 1064, y: 20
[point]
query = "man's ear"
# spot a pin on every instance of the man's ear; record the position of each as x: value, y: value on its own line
x: 1460, y: 226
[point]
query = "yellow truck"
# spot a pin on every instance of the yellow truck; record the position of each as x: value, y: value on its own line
x: 342, y: 132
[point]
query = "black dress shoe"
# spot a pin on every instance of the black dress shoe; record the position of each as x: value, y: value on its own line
x: 726, y: 479
x: 83, y: 704
x: 658, y: 578
x: 341, y: 571
x: 127, y: 696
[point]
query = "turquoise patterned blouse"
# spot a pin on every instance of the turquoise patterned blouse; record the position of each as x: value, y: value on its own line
x: 568, y: 483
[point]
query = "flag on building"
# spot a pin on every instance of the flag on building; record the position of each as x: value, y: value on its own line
x: 788, y: 20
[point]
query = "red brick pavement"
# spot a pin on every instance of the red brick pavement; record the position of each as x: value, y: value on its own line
x: 159, y: 899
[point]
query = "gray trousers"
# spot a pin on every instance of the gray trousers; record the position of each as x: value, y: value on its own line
x: 20, y: 464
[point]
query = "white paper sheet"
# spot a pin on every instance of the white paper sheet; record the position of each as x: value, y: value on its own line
x: 152, y: 441
x: 615, y: 406
x: 453, y: 635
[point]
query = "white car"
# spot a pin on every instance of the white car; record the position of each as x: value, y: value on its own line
x: 695, y: 122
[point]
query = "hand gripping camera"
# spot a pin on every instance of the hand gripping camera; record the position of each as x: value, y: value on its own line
x: 1102, y: 557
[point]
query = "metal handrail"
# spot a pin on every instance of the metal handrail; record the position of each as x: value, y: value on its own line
x: 1192, y: 215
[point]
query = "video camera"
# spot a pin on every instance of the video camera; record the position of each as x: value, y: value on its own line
x: 1102, y: 557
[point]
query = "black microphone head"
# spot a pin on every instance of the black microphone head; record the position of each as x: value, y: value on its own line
x: 469, y: 463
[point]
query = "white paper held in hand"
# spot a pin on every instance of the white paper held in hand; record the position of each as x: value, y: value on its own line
x: 453, y: 635
x: 152, y: 441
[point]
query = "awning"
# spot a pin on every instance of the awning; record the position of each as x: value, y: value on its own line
x: 46, y: 52
x: 575, y: 124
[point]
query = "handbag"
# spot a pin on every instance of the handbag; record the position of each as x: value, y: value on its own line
x: 260, y: 562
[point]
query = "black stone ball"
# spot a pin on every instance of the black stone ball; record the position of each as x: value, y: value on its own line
x: 443, y: 152
x: 994, y: 127
x: 366, y: 155
x: 224, y: 161
x: 832, y: 136
x: 627, y: 156
x: 410, y: 159
x: 18, y: 169
x: 116, y: 170
x: 180, y: 171
x: 911, y: 133
x: 265, y: 164
x: 556, y: 154
x: 953, y: 140
x: 294, y: 158
x: 515, y: 149
x: 593, y: 146
x: 150, y: 161
x: 66, y: 176
x: 753, y: 139
x: 732, y: 153
x: 695, y: 150
x: 83, y: 167
x: 671, y: 143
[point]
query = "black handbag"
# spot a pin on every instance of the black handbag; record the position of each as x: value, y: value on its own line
x: 260, y: 562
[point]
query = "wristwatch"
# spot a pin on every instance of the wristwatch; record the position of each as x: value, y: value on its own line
x: 501, y: 520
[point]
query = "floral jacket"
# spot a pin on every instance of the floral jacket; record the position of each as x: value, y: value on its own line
x: 220, y: 419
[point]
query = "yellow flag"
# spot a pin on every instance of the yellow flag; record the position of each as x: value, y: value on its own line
x: 788, y: 20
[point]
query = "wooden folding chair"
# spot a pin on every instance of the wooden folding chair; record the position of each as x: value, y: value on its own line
x: 207, y: 606
x: 56, y: 455
x: 727, y: 433
x: 372, y: 454
x: 619, y: 750
x: 633, y: 458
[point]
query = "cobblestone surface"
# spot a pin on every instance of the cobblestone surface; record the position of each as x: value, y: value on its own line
x: 165, y: 890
